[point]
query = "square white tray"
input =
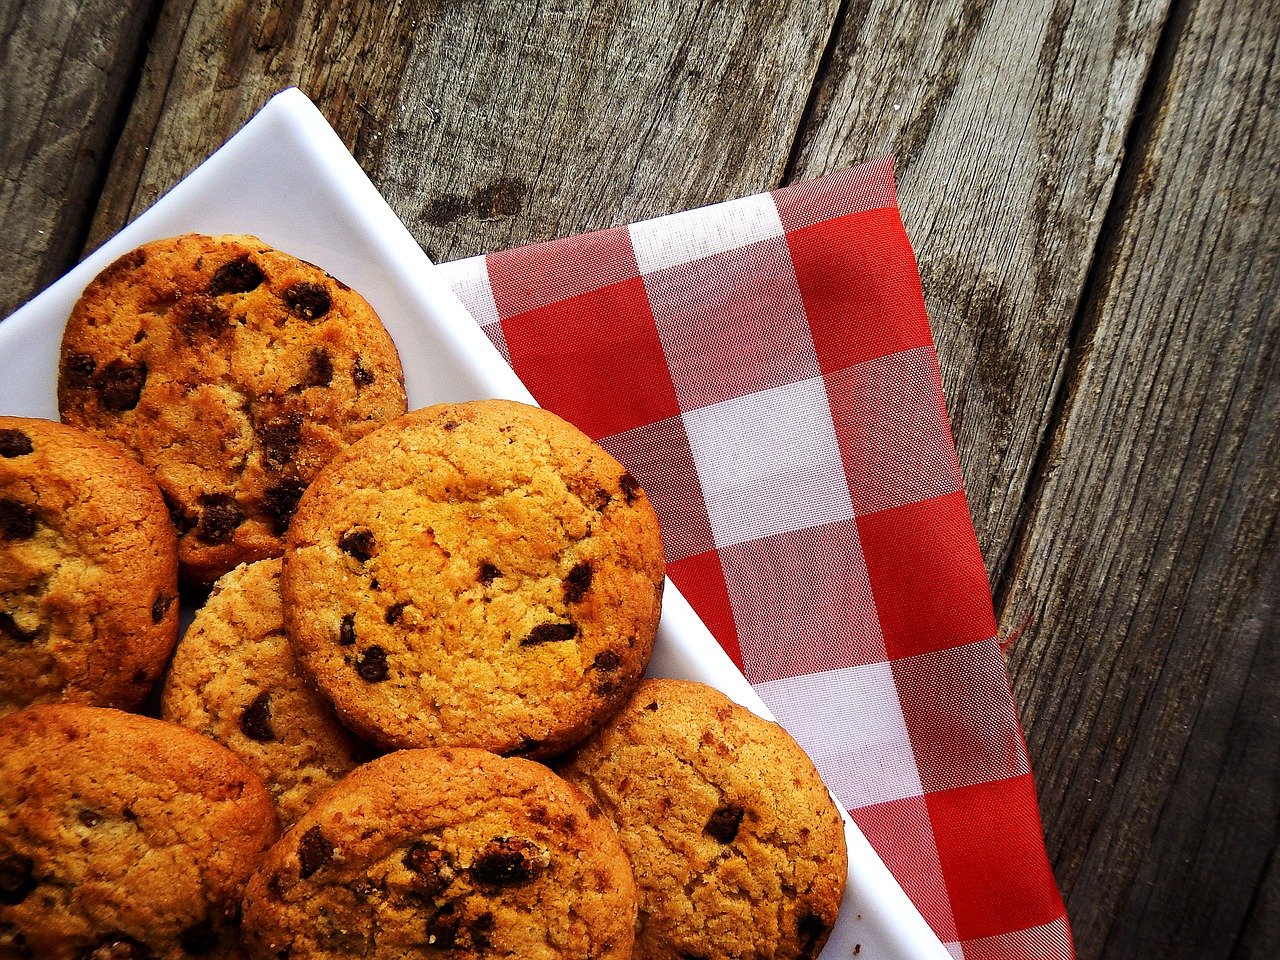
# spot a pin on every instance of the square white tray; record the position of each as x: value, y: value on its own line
x: 287, y: 178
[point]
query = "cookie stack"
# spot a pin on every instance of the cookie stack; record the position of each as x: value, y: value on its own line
x: 474, y: 587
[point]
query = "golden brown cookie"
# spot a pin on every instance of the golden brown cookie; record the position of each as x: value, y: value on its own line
x: 122, y: 837
x: 737, y: 847
x: 234, y: 680
x: 445, y: 853
x: 476, y: 574
x: 88, y: 570
x: 234, y: 372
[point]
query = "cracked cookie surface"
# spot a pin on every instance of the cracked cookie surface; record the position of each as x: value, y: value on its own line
x: 123, y: 837
x: 234, y: 372
x: 450, y: 853
x: 234, y: 679
x: 88, y: 570
x: 476, y: 574
x: 737, y: 847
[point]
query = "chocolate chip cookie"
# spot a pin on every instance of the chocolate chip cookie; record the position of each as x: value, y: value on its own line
x: 476, y: 574
x: 234, y: 372
x: 122, y: 837
x: 88, y: 570
x: 234, y: 680
x: 445, y: 853
x: 737, y: 846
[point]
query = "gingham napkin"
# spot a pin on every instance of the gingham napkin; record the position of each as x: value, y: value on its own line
x: 764, y: 367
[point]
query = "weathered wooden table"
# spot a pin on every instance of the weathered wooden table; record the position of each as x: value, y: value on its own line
x: 1093, y: 190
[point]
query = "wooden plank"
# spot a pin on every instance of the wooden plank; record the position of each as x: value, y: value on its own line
x: 1150, y: 572
x: 1008, y: 120
x: 68, y: 67
x: 487, y: 125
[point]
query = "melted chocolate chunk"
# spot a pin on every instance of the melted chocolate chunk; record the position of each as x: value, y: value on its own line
x: 578, y: 582
x: 9, y: 628
x: 606, y: 661
x: 199, y: 938
x: 280, y: 439
x: 90, y: 818
x: 627, y: 483
x: 120, y: 385
x: 160, y: 608
x: 358, y: 543
x: 488, y: 572
x: 176, y: 514
x: 359, y: 375
x: 14, y: 443
x: 219, y: 518
x: 347, y: 631
x: 236, y: 276
x: 550, y: 633
x: 372, y: 665
x: 508, y: 862
x: 17, y: 521
x: 320, y: 373
x: 280, y: 500
x: 308, y: 300
x: 394, y: 611
x: 433, y: 870
x: 443, y: 928
x: 724, y: 823
x: 255, y: 722
x: 78, y: 371
x: 314, y: 851
x: 16, y: 878
x: 115, y: 946
x: 202, y: 315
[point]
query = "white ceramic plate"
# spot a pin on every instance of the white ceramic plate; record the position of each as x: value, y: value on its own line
x: 287, y: 178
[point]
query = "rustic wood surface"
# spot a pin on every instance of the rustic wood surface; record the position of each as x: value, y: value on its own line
x: 1091, y: 190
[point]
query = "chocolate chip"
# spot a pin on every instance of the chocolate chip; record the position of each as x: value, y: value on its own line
x: 160, y: 608
x: 236, y: 276
x: 550, y: 633
x: 321, y: 372
x: 9, y: 628
x: 115, y: 946
x: 489, y: 573
x: 651, y: 706
x: 280, y: 439
x: 120, y: 385
x: 451, y: 425
x: 89, y: 818
x: 139, y: 676
x: 606, y: 661
x: 509, y: 862
x: 358, y: 543
x: 372, y: 665
x: 432, y: 868
x: 280, y: 500
x: 78, y: 371
x: 811, y: 929
x: 16, y: 878
x: 14, y: 443
x: 255, y: 721
x: 177, y: 514
x: 219, y: 518
x: 347, y: 631
x: 724, y: 823
x: 480, y: 928
x: 314, y: 851
x: 443, y: 928
x: 394, y: 611
x: 199, y: 938
x: 199, y: 314
x: 578, y: 582
x: 17, y: 521
x: 629, y: 486
x: 359, y: 375
x: 308, y: 300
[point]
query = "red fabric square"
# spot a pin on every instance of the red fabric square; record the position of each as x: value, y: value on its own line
x: 595, y: 359
x: 927, y: 576
x: 701, y: 580
x: 991, y: 847
x: 902, y: 834
x: 868, y: 186
x: 861, y: 288
x: 530, y: 277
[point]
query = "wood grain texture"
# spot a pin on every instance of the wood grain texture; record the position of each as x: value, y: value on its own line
x: 487, y: 125
x: 68, y: 72
x: 1150, y: 570
x: 1008, y: 119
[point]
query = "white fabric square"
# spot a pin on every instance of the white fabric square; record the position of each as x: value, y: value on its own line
x: 769, y: 462
x: 682, y: 237
x: 850, y: 724
x: 469, y: 279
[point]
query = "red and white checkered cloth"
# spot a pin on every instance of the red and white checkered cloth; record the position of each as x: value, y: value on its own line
x: 764, y: 367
